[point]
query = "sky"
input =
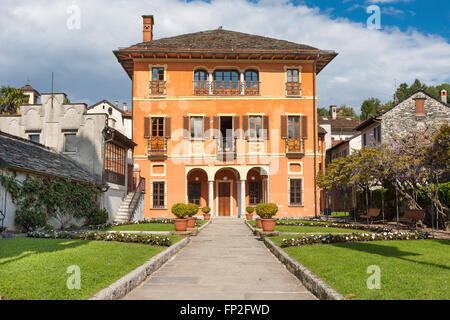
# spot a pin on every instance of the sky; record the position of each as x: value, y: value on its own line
x: 75, y: 39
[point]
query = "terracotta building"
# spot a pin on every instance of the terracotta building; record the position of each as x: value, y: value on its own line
x: 225, y: 119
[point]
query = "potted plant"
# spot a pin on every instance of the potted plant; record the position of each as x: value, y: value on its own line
x: 266, y: 211
x: 206, y: 212
x: 249, y: 214
x: 192, y: 210
x: 180, y: 211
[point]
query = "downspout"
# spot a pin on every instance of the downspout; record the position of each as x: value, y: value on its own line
x: 315, y: 143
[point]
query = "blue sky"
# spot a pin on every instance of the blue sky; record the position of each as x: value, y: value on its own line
x: 413, y: 42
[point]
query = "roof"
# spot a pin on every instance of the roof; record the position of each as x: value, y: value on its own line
x: 378, y: 116
x: 117, y: 137
x: 322, y: 130
x: 126, y: 114
x: 28, y: 87
x: 340, y: 124
x: 21, y: 154
x: 218, y: 43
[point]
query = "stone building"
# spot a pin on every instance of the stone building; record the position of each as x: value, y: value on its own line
x: 96, y: 137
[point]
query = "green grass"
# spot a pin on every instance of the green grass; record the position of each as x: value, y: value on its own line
x: 35, y: 269
x: 413, y: 270
x: 306, y: 229
x: 147, y: 227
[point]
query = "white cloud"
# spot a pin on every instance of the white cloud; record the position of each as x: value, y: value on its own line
x: 35, y: 41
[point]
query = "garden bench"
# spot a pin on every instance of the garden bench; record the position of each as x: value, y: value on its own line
x: 412, y: 217
x: 373, y: 213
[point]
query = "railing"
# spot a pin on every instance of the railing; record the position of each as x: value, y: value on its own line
x: 114, y: 177
x: 226, y: 147
x: 295, y: 146
x: 157, y: 146
x: 138, y: 192
x: 157, y: 87
x: 201, y: 87
x: 204, y: 88
x: 251, y: 88
x: 293, y: 88
x: 229, y: 88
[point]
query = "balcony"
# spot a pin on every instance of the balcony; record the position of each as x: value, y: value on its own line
x: 226, y: 149
x: 295, y: 147
x: 157, y: 87
x: 293, y: 88
x: 226, y: 88
x: 157, y: 148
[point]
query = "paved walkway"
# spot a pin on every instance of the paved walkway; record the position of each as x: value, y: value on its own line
x: 225, y: 261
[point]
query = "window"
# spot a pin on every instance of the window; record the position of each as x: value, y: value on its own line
x: 292, y: 83
x: 70, y: 142
x: 254, y: 192
x: 295, y: 192
x: 377, y: 134
x: 34, y: 137
x: 255, y: 127
x: 196, y: 127
x: 194, y: 193
x: 226, y: 82
x: 158, y: 195
x: 201, y: 82
x: 157, y: 74
x: 157, y: 127
x: 115, y: 161
x: 294, y: 127
x: 251, y: 82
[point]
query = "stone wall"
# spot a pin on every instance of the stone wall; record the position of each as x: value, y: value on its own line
x: 403, y: 118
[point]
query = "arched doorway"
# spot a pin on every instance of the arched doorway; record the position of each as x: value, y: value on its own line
x: 226, y: 192
x: 197, y: 187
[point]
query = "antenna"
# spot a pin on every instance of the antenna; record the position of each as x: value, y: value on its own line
x: 53, y: 79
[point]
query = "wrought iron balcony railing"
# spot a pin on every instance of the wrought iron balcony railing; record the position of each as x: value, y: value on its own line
x: 293, y: 88
x: 295, y: 147
x: 157, y: 87
x: 157, y: 147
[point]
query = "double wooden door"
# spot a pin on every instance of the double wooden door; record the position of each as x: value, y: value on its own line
x: 224, y: 194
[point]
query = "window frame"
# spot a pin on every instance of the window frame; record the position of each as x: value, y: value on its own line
x: 160, y: 127
x: 114, y: 165
x: 254, y: 196
x: 253, y: 128
x: 66, y: 134
x: 197, y: 121
x: 300, y: 193
x: 196, y: 197
x: 292, y: 126
x: 160, y: 196
x: 38, y: 135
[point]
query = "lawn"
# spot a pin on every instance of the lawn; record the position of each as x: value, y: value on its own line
x: 35, y: 269
x: 306, y: 229
x: 147, y: 227
x: 416, y: 269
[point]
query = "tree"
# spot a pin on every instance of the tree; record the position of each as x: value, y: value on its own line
x: 11, y: 99
x: 404, y: 91
x: 322, y: 112
x: 369, y: 108
x: 345, y: 111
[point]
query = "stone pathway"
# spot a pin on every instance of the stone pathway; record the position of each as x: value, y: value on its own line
x: 225, y: 261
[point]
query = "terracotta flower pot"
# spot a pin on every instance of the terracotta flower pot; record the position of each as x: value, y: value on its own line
x: 191, y: 222
x: 180, y: 224
x: 249, y: 216
x: 268, y: 224
x: 259, y: 223
x: 207, y: 216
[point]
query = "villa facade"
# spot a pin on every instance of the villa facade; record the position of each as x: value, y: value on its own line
x: 227, y: 120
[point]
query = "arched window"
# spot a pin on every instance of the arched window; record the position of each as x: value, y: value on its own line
x: 201, y: 82
x: 251, y: 82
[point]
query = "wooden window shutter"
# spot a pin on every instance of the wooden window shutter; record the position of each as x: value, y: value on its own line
x: 236, y: 129
x: 216, y: 128
x: 304, y: 127
x: 266, y: 128
x: 167, y: 127
x: 186, y: 133
x: 283, y: 127
x: 245, y: 126
x: 147, y: 127
x: 206, y: 126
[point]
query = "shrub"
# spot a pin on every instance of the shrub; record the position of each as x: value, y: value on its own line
x: 206, y: 209
x: 179, y: 210
x: 192, y: 209
x: 97, y: 216
x: 31, y: 218
x: 266, y: 210
x: 249, y: 209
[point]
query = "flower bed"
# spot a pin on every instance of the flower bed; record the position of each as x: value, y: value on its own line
x: 153, y: 240
x: 333, y: 225
x: 354, y: 237
x: 145, y: 221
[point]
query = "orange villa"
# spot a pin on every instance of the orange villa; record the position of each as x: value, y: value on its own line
x: 226, y: 119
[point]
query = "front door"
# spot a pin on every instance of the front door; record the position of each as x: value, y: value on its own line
x: 224, y: 198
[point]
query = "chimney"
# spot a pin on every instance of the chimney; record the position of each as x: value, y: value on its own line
x: 444, y: 96
x: 117, y: 104
x: 420, y: 106
x: 333, y: 111
x: 125, y: 106
x: 148, y: 28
